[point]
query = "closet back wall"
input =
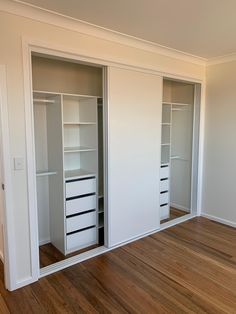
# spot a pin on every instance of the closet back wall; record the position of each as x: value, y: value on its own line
x: 56, y: 33
x: 66, y: 77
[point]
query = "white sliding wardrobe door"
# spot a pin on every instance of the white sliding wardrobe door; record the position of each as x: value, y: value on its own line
x: 133, y: 153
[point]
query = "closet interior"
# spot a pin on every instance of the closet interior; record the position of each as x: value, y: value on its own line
x: 69, y: 130
x: 176, y: 149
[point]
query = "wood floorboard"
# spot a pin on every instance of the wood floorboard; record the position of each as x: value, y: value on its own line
x: 188, y: 268
x: 49, y: 254
x: 174, y: 213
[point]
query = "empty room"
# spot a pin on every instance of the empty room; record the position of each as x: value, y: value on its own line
x: 116, y: 118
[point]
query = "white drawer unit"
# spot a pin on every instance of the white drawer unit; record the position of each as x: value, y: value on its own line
x: 81, y: 239
x: 80, y: 187
x: 164, y: 212
x: 81, y: 221
x: 164, y: 192
x: 164, y: 172
x: 164, y: 198
x: 80, y: 204
x: 164, y: 185
x: 80, y: 198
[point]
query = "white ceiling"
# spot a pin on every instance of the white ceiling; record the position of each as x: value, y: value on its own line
x: 204, y: 28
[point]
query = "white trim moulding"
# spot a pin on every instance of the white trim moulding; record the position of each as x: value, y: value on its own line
x: 220, y: 220
x: 8, y: 215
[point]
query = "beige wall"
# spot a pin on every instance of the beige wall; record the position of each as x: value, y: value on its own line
x: 12, y: 29
x: 219, y: 189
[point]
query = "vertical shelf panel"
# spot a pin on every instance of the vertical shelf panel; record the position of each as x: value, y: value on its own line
x: 166, y: 113
x: 165, y: 134
x: 56, y: 182
x: 165, y: 154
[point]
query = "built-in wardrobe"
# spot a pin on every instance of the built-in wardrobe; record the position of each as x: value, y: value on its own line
x: 177, y: 145
x: 68, y: 131
x: 105, y: 178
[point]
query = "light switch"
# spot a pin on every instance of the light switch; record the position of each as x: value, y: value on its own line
x: 18, y: 163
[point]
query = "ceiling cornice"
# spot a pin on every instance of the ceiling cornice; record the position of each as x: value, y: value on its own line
x: 21, y: 8
x: 221, y: 59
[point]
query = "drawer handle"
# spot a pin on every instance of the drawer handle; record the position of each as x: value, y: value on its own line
x: 79, y: 196
x: 82, y: 213
x: 80, y: 230
x: 82, y: 179
x: 163, y: 192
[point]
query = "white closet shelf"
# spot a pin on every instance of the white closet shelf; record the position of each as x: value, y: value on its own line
x: 45, y: 173
x: 179, y: 109
x: 175, y: 103
x: 180, y: 104
x: 45, y: 93
x: 43, y: 101
x: 79, y: 97
x: 78, y: 173
x: 178, y: 158
x: 78, y: 149
x: 79, y: 123
x: 165, y: 123
x: 165, y: 144
x: 175, y: 157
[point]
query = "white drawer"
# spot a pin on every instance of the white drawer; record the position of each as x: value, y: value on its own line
x: 81, y: 239
x: 164, y: 185
x: 81, y: 204
x: 80, y: 187
x: 80, y: 222
x: 164, y: 172
x: 164, y: 212
x: 164, y: 198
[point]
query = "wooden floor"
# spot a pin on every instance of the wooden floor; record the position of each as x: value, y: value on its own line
x: 174, y: 213
x: 48, y: 254
x: 189, y: 268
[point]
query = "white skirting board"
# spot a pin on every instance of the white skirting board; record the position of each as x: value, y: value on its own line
x: 185, y: 209
x: 220, y: 220
x: 44, y: 241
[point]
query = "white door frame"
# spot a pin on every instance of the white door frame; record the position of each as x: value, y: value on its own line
x: 32, y: 45
x: 8, y: 223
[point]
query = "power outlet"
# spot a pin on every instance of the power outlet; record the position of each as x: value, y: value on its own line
x: 18, y: 163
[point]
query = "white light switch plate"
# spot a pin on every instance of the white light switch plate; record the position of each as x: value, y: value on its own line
x: 18, y: 163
